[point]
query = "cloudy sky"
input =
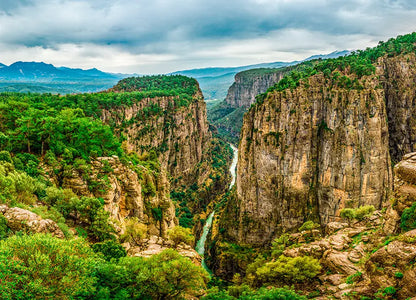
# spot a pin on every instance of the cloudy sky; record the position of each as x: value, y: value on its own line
x: 158, y: 36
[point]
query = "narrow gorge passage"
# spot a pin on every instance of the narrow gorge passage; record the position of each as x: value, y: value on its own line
x: 200, y: 245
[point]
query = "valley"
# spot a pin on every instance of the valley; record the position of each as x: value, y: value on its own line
x: 299, y: 184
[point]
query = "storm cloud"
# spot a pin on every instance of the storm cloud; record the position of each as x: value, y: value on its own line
x: 164, y: 35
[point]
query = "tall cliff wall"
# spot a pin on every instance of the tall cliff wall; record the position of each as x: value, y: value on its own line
x: 308, y: 152
x: 178, y: 134
x: 248, y: 84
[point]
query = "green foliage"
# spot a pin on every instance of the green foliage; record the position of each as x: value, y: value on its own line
x: 5, y: 156
x: 289, y: 270
x: 358, y: 213
x: 18, y: 186
x: 389, y: 291
x: 166, y: 275
x: 408, y: 218
x: 279, y: 244
x: 398, y: 275
x: 4, y: 229
x: 89, y: 213
x: 134, y: 231
x: 245, y: 293
x: 110, y: 250
x: 354, y: 277
x: 179, y: 234
x: 363, y: 212
x: 308, y: 225
x: 42, y: 267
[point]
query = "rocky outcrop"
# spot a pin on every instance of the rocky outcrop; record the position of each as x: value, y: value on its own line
x: 308, y: 153
x: 154, y: 245
x: 125, y: 194
x: 248, y: 84
x: 398, y: 77
x: 178, y: 134
x: 19, y: 219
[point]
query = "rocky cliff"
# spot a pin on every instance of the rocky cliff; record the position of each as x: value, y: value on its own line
x: 310, y: 151
x: 248, y: 84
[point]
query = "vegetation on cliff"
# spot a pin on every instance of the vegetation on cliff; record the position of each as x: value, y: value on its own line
x: 64, y: 160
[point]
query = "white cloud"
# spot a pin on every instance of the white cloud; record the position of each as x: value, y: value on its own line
x: 165, y: 35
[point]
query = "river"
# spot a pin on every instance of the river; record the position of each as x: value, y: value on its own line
x: 200, y: 245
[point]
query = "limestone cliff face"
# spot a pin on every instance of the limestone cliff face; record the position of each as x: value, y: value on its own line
x: 307, y: 153
x: 398, y: 77
x: 246, y: 87
x: 179, y: 133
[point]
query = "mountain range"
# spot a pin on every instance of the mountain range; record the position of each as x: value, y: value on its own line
x: 41, y: 77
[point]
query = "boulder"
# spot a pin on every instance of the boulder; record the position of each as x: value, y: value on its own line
x: 19, y: 219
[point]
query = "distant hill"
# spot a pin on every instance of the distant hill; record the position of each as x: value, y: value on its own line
x: 41, y: 77
x: 214, y: 82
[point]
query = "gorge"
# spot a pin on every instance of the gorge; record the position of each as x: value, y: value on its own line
x: 131, y: 193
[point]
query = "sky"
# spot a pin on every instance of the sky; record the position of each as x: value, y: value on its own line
x: 160, y: 36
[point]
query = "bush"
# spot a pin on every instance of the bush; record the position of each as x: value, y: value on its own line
x: 308, y: 225
x: 247, y: 294
x: 134, y: 231
x: 289, y: 270
x: 363, y: 212
x: 358, y: 213
x: 110, y: 250
x: 40, y: 266
x: 408, y: 218
x: 398, y: 275
x: 166, y: 275
x: 4, y: 229
x: 5, y: 156
x: 180, y: 234
x: 389, y: 291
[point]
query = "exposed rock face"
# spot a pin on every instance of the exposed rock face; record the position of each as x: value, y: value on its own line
x: 122, y: 191
x: 155, y: 245
x: 245, y: 88
x: 307, y: 153
x: 398, y: 76
x: 19, y: 219
x: 310, y: 152
x: 181, y: 134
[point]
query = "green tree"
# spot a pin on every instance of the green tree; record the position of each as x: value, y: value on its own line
x: 43, y: 267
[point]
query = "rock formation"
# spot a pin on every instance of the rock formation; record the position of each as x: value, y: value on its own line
x: 19, y: 219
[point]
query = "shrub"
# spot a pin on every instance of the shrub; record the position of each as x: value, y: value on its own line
x: 166, y: 275
x: 179, y: 234
x: 40, y: 266
x: 247, y: 294
x: 408, y: 218
x: 134, y: 231
x: 279, y: 245
x: 363, y: 212
x: 4, y: 229
x: 110, y: 250
x: 398, y: 275
x: 358, y: 213
x: 390, y: 290
x: 290, y: 270
x: 308, y: 225
x: 5, y: 156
